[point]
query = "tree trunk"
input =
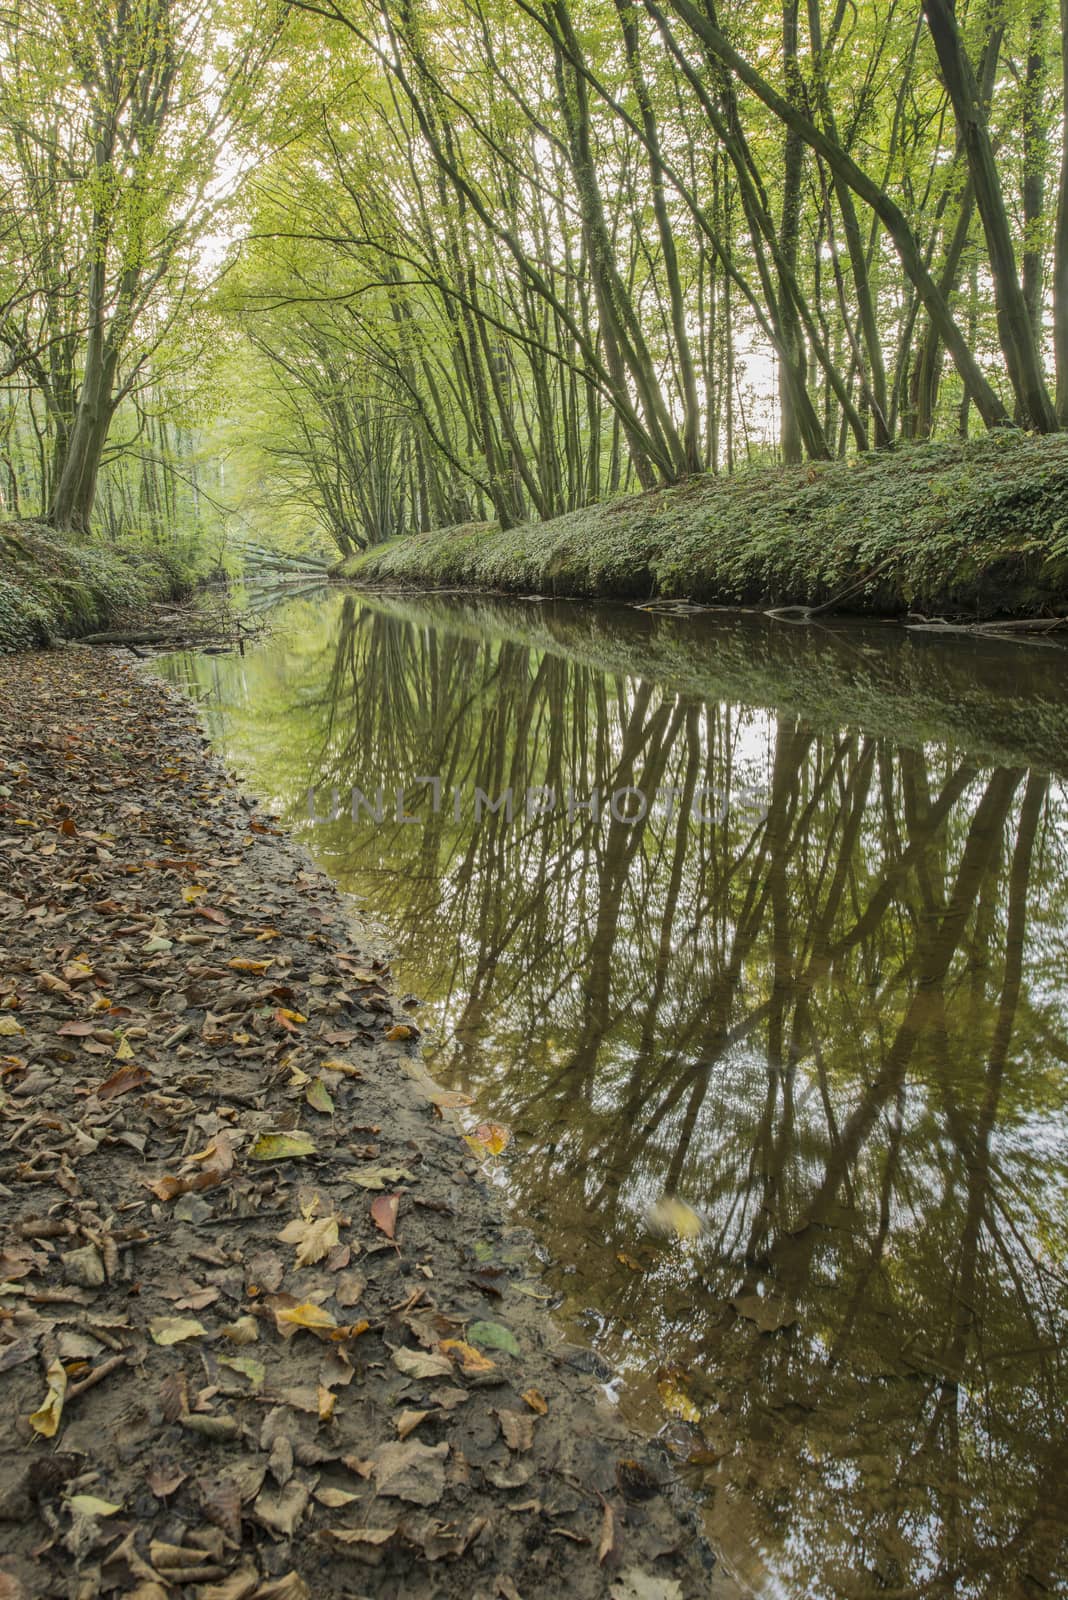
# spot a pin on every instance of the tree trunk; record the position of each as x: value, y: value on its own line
x: 1018, y: 345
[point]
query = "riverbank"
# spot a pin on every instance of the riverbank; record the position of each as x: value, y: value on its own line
x: 263, y: 1330
x: 54, y: 588
x: 975, y: 530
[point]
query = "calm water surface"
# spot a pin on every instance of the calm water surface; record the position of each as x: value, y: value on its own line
x: 785, y: 1061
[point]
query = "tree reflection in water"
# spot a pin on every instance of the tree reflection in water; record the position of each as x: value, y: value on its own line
x: 837, y: 1031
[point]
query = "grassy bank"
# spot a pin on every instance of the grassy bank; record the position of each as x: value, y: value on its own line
x: 977, y: 529
x: 52, y: 588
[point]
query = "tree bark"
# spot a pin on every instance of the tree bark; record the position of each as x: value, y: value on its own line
x: 1035, y: 408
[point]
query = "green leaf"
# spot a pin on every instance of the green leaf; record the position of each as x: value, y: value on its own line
x: 493, y: 1336
x: 318, y: 1098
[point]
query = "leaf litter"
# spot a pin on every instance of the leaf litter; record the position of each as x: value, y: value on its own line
x: 209, y: 1398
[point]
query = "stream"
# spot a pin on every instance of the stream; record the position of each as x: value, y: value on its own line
x: 755, y: 939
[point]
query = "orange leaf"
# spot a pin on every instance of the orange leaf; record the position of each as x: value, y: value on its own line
x: 470, y: 1359
x: 286, y: 1019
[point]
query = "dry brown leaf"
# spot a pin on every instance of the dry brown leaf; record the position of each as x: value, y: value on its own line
x: 384, y: 1209
x: 411, y: 1471
x: 420, y: 1364
x: 408, y: 1421
x: 517, y: 1428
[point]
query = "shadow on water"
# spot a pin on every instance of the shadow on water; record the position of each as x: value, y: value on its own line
x: 784, y: 1059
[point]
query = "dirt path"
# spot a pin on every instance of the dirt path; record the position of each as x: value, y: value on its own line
x: 263, y: 1331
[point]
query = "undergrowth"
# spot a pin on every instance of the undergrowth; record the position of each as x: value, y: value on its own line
x: 54, y: 588
x: 976, y: 528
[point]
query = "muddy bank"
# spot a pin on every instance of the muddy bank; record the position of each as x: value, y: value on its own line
x: 968, y: 530
x: 263, y: 1329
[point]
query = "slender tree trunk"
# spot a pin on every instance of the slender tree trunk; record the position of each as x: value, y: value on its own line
x: 1060, y: 244
x: 1017, y: 337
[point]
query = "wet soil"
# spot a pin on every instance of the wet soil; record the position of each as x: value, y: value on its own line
x: 264, y: 1331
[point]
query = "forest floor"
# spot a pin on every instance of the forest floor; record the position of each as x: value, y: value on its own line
x: 264, y: 1331
x: 976, y: 529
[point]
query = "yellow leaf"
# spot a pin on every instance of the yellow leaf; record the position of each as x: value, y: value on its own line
x: 672, y: 1215
x: 8, y: 1025
x: 195, y: 892
x: 45, y: 1420
x: 401, y: 1030
x: 124, y: 1050
x: 536, y: 1401
x: 470, y: 1359
x: 87, y: 1505
x: 344, y: 1067
x: 282, y: 1147
x: 290, y: 1319
x: 243, y: 964
x: 327, y: 1402
x: 677, y: 1402
x: 172, y: 1330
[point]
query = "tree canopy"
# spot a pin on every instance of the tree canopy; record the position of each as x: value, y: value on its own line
x: 407, y: 263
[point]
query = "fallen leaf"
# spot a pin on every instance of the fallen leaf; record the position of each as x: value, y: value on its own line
x: 121, y: 1082
x: 248, y: 1367
x: 87, y: 1505
x: 421, y: 1364
x: 173, y: 1330
x: 282, y: 1147
x: 45, y: 1420
x: 244, y: 1331
x: 281, y: 1509
x: 470, y: 1359
x: 334, y: 1499
x: 318, y: 1097
x: 291, y: 1319
x: 672, y: 1215
x: 770, y: 1312
x: 492, y: 1136
x: 676, y: 1401
x: 379, y: 1177
x: 609, y: 1543
x: 536, y: 1401
x: 243, y: 964
x: 384, y: 1213
x: 493, y: 1336
x: 314, y: 1238
x: 289, y: 1020
x: 517, y: 1428
x: 408, y: 1421
x: 411, y: 1471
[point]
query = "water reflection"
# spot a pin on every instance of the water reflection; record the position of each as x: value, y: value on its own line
x: 831, y: 1025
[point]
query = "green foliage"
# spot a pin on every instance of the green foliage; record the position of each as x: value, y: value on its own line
x: 52, y: 589
x: 980, y: 527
